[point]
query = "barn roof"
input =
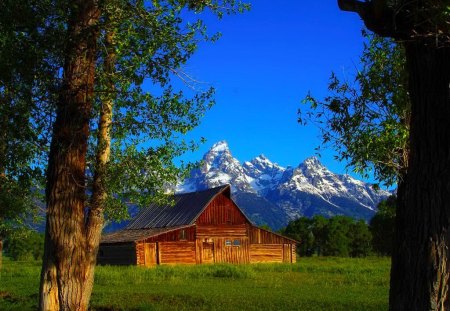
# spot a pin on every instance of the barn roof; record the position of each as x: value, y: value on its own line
x: 125, y: 235
x: 187, y: 208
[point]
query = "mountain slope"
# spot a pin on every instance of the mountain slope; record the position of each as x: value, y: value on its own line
x: 274, y: 195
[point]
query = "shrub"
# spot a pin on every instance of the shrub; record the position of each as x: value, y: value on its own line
x: 25, y: 246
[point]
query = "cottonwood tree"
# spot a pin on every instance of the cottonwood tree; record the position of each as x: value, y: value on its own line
x: 105, y: 120
x: 366, y: 120
x: 26, y: 71
x: 420, y: 262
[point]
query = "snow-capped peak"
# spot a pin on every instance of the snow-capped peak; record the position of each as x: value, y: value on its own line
x: 220, y: 146
x: 307, y: 189
x: 313, y: 162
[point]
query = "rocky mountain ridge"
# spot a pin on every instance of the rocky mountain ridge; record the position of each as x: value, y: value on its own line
x: 273, y: 195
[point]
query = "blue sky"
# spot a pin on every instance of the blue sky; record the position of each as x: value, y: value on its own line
x: 263, y: 66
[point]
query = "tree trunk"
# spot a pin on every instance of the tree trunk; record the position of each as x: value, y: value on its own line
x: 67, y: 255
x: 420, y: 262
x: 1, y: 253
x: 99, y: 194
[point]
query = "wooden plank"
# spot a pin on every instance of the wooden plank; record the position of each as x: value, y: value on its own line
x: 287, y: 253
x: 221, y: 231
x: 266, y: 253
x: 177, y: 252
x: 261, y: 236
x: 198, y: 251
x: 207, y: 252
x: 174, y: 235
x: 236, y: 254
x: 140, y: 259
x: 294, y: 253
x: 150, y: 254
x: 221, y: 210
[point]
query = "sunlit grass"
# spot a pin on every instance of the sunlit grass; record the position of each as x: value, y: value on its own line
x: 311, y: 284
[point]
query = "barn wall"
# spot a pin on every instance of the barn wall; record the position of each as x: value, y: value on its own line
x: 140, y: 255
x: 176, y: 253
x: 175, y: 235
x: 221, y: 231
x: 293, y: 253
x: 221, y: 211
x: 117, y: 254
x: 261, y: 236
x: 224, y: 253
x: 266, y: 253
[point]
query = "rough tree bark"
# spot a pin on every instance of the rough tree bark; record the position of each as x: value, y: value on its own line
x: 95, y: 218
x: 420, y: 262
x: 65, y: 276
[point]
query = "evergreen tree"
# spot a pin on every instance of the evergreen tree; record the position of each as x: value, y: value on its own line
x: 382, y: 227
x: 361, y: 238
x: 301, y: 230
x: 337, y: 237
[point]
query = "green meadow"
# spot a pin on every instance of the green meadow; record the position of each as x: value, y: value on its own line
x: 311, y: 284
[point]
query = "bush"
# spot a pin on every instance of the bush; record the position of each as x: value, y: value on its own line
x: 25, y: 246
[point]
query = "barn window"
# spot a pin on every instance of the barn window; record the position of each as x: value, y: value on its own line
x: 182, y: 234
x: 237, y: 243
x: 228, y: 243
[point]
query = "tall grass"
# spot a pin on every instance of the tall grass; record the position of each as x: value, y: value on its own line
x: 311, y: 284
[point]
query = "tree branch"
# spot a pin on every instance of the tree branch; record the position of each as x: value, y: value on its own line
x: 377, y: 16
x: 354, y: 6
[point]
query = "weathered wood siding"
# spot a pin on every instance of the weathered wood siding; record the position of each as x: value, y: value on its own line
x: 204, y: 251
x: 261, y: 236
x: 221, y: 231
x: 293, y: 253
x: 236, y: 254
x: 117, y: 254
x: 221, y: 234
x: 176, y: 252
x: 272, y: 253
x: 150, y: 254
x: 266, y: 253
x: 221, y: 211
x: 174, y: 235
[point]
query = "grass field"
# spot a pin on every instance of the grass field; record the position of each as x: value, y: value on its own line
x: 311, y: 284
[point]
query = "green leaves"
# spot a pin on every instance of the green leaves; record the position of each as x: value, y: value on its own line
x: 367, y: 121
x: 336, y: 236
x: 151, y: 111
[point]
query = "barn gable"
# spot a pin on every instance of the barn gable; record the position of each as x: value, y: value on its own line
x: 187, y: 208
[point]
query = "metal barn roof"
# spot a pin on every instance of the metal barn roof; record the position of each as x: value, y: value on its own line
x: 124, y: 236
x: 187, y: 208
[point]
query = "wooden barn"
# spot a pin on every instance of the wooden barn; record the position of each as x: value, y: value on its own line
x: 202, y: 227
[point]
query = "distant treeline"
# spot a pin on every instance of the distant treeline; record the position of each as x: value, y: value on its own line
x: 25, y: 245
x: 344, y: 236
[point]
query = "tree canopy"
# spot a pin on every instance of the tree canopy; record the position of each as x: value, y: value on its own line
x: 366, y: 121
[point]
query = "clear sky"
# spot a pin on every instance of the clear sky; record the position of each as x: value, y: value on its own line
x: 263, y: 66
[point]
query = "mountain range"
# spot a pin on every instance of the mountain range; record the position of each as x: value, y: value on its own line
x: 273, y: 195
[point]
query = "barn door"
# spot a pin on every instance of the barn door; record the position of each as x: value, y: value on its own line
x: 287, y: 254
x: 208, y: 252
x: 149, y: 254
